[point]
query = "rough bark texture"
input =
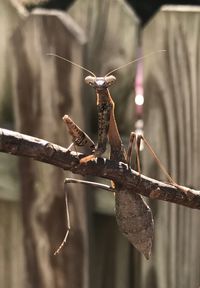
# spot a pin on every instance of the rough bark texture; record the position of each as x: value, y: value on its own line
x: 41, y: 150
x: 44, y: 89
x: 172, y: 103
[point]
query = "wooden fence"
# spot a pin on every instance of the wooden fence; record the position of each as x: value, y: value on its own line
x: 101, y: 35
x: 172, y: 126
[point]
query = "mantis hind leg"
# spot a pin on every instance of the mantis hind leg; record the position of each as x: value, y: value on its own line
x: 134, y: 140
x: 170, y: 179
x: 71, y: 180
x: 68, y: 220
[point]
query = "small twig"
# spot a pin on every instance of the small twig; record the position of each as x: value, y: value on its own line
x: 23, y: 145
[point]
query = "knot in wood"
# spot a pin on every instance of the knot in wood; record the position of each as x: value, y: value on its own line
x: 49, y: 150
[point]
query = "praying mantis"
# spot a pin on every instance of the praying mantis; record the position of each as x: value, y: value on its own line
x: 133, y: 215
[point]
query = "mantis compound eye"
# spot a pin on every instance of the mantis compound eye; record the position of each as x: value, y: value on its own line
x: 90, y: 80
x: 110, y: 80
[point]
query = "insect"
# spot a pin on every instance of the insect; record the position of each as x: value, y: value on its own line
x: 133, y: 215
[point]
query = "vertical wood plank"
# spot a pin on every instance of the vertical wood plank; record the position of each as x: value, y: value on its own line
x: 44, y: 89
x: 12, y: 266
x: 172, y: 127
x: 9, y: 19
x: 112, y: 29
x: 12, y: 261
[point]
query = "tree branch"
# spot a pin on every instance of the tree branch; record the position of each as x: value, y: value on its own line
x: 23, y: 145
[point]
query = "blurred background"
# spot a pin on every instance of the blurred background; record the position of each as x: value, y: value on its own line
x: 158, y: 96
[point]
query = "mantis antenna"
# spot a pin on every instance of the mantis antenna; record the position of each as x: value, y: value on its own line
x: 116, y: 69
x: 77, y: 65
x: 131, y: 62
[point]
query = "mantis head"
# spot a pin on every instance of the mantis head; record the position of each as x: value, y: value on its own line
x: 100, y: 83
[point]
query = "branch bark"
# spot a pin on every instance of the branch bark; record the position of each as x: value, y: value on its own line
x: 38, y: 149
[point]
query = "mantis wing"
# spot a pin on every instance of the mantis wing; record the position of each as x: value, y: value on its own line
x: 135, y: 220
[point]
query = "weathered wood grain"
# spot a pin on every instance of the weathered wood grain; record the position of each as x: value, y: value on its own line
x: 12, y: 272
x: 9, y: 19
x: 44, y: 89
x: 172, y: 126
x: 112, y: 29
x: 11, y: 232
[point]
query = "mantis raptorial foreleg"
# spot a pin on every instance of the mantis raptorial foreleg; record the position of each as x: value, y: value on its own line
x: 79, y: 137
